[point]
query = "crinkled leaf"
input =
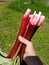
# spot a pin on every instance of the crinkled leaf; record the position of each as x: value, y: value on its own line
x: 5, y: 61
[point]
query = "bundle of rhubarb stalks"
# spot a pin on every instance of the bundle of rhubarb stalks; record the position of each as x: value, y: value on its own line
x: 30, y: 24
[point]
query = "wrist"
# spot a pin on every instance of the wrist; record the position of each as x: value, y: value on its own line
x: 29, y: 54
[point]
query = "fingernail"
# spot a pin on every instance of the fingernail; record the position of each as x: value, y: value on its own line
x: 19, y: 37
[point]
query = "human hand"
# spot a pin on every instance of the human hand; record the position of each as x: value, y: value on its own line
x: 29, y: 50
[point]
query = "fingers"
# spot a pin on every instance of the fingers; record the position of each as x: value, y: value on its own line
x: 24, y: 41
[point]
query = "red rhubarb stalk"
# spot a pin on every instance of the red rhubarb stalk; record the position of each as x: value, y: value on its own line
x: 13, y: 53
x: 30, y: 31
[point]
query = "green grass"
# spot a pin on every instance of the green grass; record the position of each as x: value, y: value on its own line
x: 41, y: 42
x: 38, y: 6
x: 10, y: 22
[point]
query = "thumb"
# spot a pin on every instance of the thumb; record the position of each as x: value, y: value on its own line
x: 24, y: 41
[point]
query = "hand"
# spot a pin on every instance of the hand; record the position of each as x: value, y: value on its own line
x: 29, y: 51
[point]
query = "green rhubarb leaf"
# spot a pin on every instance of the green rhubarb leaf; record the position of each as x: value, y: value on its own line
x: 6, y: 61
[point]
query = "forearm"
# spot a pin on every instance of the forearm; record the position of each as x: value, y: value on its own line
x: 31, y: 60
